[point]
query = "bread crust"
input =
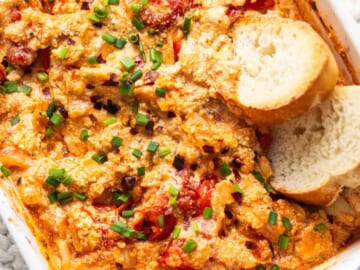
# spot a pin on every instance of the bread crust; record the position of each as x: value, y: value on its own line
x: 322, y: 77
x: 330, y: 186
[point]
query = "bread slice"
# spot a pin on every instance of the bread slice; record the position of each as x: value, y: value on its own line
x: 285, y: 66
x: 314, y: 156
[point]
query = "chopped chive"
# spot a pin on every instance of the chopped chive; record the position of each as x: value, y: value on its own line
x: 135, y: 107
x: 80, y: 196
x: 286, y: 223
x: 62, y: 53
x: 189, y: 246
x: 124, y: 76
x: 152, y: 147
x: 5, y: 170
x: 9, y: 68
x: 261, y: 179
x: 275, y: 267
x: 109, y: 121
x: 142, y: 51
x: 161, y: 221
x: 186, y: 26
x: 224, y: 170
x: 121, y: 197
x: 144, y: 2
x: 172, y: 201
x: 113, y: 2
x: 51, y: 109
x: 92, y: 59
x: 141, y: 171
x: 63, y: 195
x: 25, y: 89
x: 67, y: 181
x: 126, y: 89
x: 164, y: 151
x: 152, y: 31
x: 109, y: 38
x: 260, y: 267
x: 283, y: 241
x: 42, y: 77
x: 124, y: 197
x: 173, y: 191
x: 127, y: 213
x: 116, y: 141
x: 133, y: 38
x: 56, y: 119
x: 101, y: 13
x: 10, y: 87
x: 84, y: 135
x: 137, y: 22
x: 127, y: 63
x: 48, y: 132
x: 196, y: 227
x: 53, y: 197
x: 155, y: 55
x: 320, y: 227
x: 136, y: 75
x: 208, y: 212
x: 93, y: 18
x: 15, y: 120
x: 160, y: 43
x: 120, y: 43
x: 237, y: 189
x: 50, y: 180
x: 135, y: 7
x: 65, y: 201
x: 57, y: 173
x: 176, y: 233
x: 141, y: 236
x: 272, y: 218
x: 160, y: 92
x: 123, y: 229
x: 137, y: 153
x: 105, y: 2
x: 155, y: 66
x: 141, y: 119
x: 99, y: 158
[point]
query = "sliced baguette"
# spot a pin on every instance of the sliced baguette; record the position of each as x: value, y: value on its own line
x: 314, y: 156
x: 285, y: 66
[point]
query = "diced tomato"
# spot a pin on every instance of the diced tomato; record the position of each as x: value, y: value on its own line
x: 194, y: 197
x: 15, y: 15
x: 149, y: 223
x: 2, y: 73
x: 205, y: 192
x: 177, y: 37
x: 20, y: 55
x: 259, y: 5
x: 45, y: 58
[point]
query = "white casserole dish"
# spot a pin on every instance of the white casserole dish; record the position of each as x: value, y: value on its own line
x: 333, y: 16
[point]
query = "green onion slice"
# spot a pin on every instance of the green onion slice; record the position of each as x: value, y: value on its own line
x: 189, y: 246
x: 208, y: 212
x: 123, y: 229
x: 283, y: 241
x: 272, y: 218
x: 176, y: 232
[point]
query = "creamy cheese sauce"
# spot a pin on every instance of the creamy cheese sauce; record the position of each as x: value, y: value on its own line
x: 124, y: 156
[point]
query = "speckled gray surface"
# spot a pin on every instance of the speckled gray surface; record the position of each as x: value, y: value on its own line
x: 10, y: 258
